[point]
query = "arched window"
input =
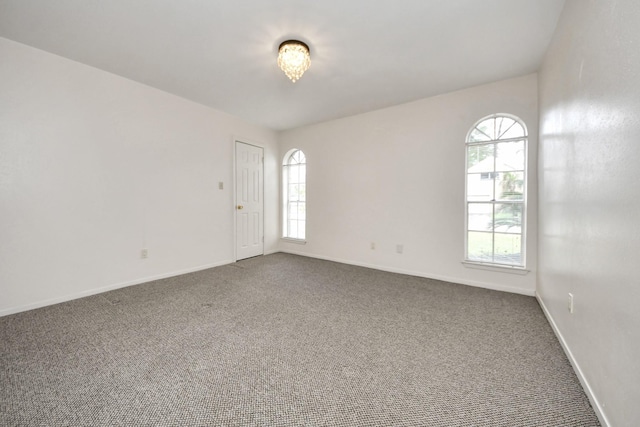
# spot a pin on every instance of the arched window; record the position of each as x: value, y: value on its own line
x: 294, y: 172
x: 495, y: 191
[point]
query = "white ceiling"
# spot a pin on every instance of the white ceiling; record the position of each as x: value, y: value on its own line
x: 365, y: 54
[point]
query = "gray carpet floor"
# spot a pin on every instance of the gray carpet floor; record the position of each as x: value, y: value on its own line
x: 283, y: 340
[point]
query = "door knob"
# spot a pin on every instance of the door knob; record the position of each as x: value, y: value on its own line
x: 240, y: 207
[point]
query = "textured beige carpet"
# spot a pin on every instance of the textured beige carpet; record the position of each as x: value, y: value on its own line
x: 283, y: 340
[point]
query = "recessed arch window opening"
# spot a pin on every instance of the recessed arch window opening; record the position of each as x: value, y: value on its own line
x: 294, y: 179
x: 496, y: 176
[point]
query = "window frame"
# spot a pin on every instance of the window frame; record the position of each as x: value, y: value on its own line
x: 286, y: 166
x: 494, y: 174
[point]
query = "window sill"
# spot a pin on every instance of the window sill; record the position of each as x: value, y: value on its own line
x: 496, y: 267
x: 296, y: 241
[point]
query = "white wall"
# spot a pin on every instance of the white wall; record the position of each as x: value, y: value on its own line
x: 589, y: 169
x: 396, y: 176
x: 94, y: 167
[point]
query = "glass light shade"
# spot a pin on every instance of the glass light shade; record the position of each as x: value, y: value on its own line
x: 294, y: 59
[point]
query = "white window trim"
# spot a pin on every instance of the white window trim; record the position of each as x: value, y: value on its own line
x: 516, y: 269
x: 285, y: 201
x: 292, y: 240
x: 501, y: 268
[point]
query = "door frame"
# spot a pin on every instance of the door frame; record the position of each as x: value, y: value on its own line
x: 235, y: 193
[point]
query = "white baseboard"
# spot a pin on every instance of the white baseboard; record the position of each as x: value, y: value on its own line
x: 107, y: 288
x: 597, y: 408
x: 476, y: 284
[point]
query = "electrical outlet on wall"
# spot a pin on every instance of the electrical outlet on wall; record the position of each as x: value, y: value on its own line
x: 399, y: 248
x: 373, y: 246
x: 570, y: 304
x: 144, y: 253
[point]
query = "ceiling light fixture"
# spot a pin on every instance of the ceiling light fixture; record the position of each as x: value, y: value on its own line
x: 294, y: 58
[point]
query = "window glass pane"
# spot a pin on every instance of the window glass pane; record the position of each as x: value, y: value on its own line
x: 293, y: 211
x: 480, y: 187
x: 508, y: 218
x: 503, y: 125
x: 508, y: 249
x: 480, y: 216
x: 296, y: 157
x: 301, y: 214
x: 510, y: 156
x: 480, y: 158
x: 480, y: 246
x: 302, y: 173
x: 294, y: 191
x: 301, y: 230
x: 509, y: 186
x: 293, y: 229
x: 516, y: 131
x: 294, y: 174
x: 478, y: 136
x: 487, y: 128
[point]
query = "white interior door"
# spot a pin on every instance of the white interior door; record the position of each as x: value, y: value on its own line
x: 249, y: 201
